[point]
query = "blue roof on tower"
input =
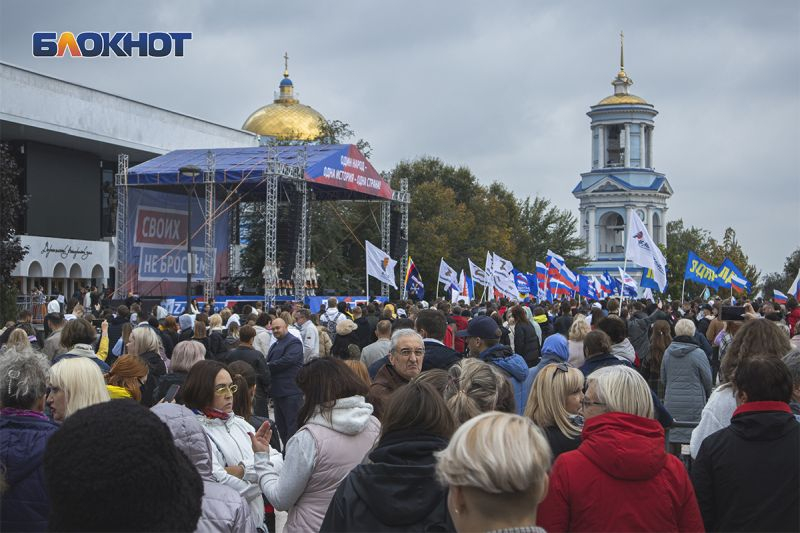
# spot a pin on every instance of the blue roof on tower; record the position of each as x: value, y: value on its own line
x: 285, y: 81
x: 654, y: 186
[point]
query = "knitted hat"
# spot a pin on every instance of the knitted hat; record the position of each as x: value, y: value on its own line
x: 113, y: 466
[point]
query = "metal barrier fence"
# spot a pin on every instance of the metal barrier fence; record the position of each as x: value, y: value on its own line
x: 683, y: 451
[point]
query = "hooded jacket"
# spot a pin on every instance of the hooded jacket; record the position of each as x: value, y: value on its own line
x: 624, y: 351
x: 24, y: 505
x: 516, y: 370
x: 555, y: 350
x: 686, y: 380
x: 83, y: 350
x: 318, y: 457
x: 592, y: 488
x: 747, y: 476
x: 223, y: 509
x: 396, y: 491
x: 526, y: 342
x: 231, y: 446
x: 263, y: 340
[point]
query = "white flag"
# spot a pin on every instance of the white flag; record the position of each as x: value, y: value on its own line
x: 447, y: 275
x: 641, y: 250
x: 794, y: 290
x: 503, y: 277
x: 478, y: 274
x: 648, y: 294
x: 380, y: 265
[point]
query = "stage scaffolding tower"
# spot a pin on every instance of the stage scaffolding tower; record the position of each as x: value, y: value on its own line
x: 386, y: 231
x: 121, y: 182
x: 299, y: 272
x: 404, y: 198
x: 209, y: 280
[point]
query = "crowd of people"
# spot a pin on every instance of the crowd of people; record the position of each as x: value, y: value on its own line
x: 501, y: 416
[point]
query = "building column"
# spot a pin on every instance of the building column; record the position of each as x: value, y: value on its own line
x: 649, y: 220
x: 592, y: 237
x: 642, y: 151
x: 592, y: 165
x: 627, y: 145
x: 602, y: 146
x: 663, y: 220
x: 650, y: 151
x: 49, y: 286
x: 628, y: 211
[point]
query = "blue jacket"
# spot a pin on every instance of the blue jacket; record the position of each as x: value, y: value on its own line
x: 516, y: 370
x: 554, y: 350
x: 285, y: 357
x: 24, y: 506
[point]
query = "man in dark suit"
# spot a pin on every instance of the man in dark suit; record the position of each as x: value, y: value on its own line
x: 284, y: 360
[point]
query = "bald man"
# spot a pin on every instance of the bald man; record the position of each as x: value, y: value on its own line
x: 284, y: 359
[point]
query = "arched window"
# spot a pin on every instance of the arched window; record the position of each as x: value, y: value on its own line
x: 612, y: 233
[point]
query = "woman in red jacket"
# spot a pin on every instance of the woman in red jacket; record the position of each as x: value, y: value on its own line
x: 620, y: 478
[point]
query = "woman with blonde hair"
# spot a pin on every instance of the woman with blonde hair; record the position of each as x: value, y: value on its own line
x: 495, y: 468
x: 577, y: 332
x: 554, y: 403
x: 74, y: 384
x: 622, y: 452
x: 18, y: 340
x: 475, y: 387
x: 184, y: 356
x: 217, y: 347
x: 145, y: 343
x: 755, y: 337
x: 127, y: 378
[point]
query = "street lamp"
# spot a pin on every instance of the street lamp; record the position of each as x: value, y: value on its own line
x: 191, y: 172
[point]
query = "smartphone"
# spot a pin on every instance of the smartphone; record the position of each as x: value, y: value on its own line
x: 732, y: 312
x: 171, y: 393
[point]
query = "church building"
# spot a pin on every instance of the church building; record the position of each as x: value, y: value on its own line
x: 622, y: 179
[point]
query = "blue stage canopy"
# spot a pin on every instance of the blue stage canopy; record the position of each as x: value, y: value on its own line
x: 341, y: 166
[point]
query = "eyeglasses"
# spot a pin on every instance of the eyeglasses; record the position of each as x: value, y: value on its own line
x: 222, y: 390
x: 408, y: 352
x: 586, y: 403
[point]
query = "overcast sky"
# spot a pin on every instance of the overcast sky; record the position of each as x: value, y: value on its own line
x: 501, y: 87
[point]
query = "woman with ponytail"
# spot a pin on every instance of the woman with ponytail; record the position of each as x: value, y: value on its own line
x: 475, y: 387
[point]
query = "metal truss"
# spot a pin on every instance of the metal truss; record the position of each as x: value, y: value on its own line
x: 271, y: 226
x: 386, y: 223
x: 209, y: 283
x: 121, y: 182
x: 405, y: 195
x: 299, y: 273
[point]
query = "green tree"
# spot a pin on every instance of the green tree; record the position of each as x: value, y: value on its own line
x: 12, y: 205
x: 682, y: 240
x: 782, y: 280
x: 453, y: 216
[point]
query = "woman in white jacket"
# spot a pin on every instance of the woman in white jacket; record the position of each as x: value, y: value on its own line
x: 208, y: 391
x: 338, y: 431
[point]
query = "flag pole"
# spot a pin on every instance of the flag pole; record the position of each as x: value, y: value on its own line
x: 682, y: 289
x: 437, y: 290
x: 367, y: 291
x: 624, y: 272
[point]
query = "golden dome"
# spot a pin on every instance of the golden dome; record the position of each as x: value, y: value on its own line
x: 293, y: 121
x: 286, y: 118
x: 616, y: 99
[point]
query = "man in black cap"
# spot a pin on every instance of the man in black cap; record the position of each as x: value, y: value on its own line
x: 482, y: 337
x: 114, y: 466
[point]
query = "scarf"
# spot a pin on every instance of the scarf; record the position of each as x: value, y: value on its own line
x: 13, y: 411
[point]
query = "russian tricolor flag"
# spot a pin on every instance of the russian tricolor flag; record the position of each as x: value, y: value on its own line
x: 778, y: 297
x: 738, y: 284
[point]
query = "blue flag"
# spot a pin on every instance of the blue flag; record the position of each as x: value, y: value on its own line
x: 649, y: 281
x: 414, y: 286
x: 700, y: 271
x: 586, y: 287
x: 726, y: 271
x: 521, y: 281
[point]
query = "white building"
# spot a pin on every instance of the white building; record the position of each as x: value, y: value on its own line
x: 66, y: 139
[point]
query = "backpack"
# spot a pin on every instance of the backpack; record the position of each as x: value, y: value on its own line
x: 331, y: 325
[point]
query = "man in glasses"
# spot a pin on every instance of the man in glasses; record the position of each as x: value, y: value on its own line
x: 482, y: 338
x: 405, y: 362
